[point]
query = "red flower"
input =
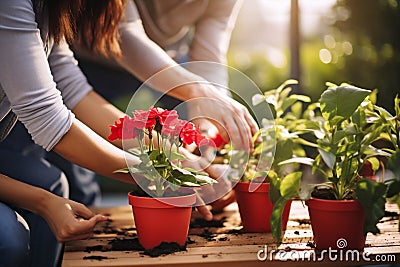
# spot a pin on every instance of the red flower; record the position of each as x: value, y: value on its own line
x: 116, y: 130
x: 218, y: 140
x: 189, y: 134
x: 167, y: 117
x: 130, y: 127
x: 200, y: 139
x: 124, y: 129
x: 146, y: 117
x: 172, y: 125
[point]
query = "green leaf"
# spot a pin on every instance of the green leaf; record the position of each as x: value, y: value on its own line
x: 339, y: 136
x: 257, y: 99
x: 202, y: 179
x: 274, y: 187
x: 375, y: 163
x: 124, y: 170
x: 394, y: 164
x: 286, y: 83
x: 189, y: 184
x: 393, y: 189
x: 302, y: 98
x: 372, y: 197
x: 190, y: 170
x: 341, y: 101
x: 176, y: 156
x: 276, y: 219
x: 328, y: 157
x: 290, y: 185
x: 302, y: 141
x: 301, y: 160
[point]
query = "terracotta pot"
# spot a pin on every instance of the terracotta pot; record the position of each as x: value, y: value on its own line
x: 255, y: 208
x: 368, y: 172
x: 337, y: 224
x: 160, y: 220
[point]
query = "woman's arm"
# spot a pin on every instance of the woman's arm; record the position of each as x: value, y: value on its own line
x: 84, y: 147
x: 144, y: 58
x: 26, y: 76
x: 68, y: 220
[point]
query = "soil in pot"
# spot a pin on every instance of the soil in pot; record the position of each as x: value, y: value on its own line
x: 255, y: 208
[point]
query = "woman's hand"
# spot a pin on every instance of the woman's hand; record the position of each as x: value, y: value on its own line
x: 233, y: 121
x: 70, y: 220
x: 217, y: 195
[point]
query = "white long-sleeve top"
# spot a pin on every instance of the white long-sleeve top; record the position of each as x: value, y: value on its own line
x: 39, y: 81
x: 153, y: 27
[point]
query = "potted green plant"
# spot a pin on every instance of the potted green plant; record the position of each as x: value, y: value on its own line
x: 162, y: 203
x: 264, y: 189
x: 348, y: 206
x: 393, y: 138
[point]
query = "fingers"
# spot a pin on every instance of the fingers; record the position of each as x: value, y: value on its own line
x: 81, y: 210
x: 202, y: 208
x: 80, y: 228
x: 239, y: 125
x: 205, y: 212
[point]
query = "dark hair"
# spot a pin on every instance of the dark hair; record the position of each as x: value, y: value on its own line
x: 91, y: 23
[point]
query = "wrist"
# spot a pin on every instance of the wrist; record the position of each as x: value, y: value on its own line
x: 42, y: 202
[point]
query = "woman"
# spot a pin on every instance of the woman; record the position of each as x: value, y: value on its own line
x: 41, y: 84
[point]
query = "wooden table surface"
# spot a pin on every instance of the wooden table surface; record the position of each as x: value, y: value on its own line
x: 225, y: 245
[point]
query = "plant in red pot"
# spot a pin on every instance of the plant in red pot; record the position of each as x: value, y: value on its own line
x: 349, y: 204
x: 265, y: 189
x: 162, y: 203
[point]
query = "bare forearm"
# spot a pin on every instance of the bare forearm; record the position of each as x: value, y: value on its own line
x: 23, y: 195
x: 98, y: 114
x: 84, y: 147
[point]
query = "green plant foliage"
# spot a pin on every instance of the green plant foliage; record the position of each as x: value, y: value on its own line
x: 286, y: 189
x: 346, y: 125
x: 372, y: 197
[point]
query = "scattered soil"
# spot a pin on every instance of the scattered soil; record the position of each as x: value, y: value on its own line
x: 123, y: 244
x: 225, y: 238
x: 164, y: 249
x: 98, y: 258
x: 302, y: 221
x: 190, y: 241
x: 108, y: 229
x: 234, y: 232
x: 391, y: 214
x: 201, y: 223
x: 310, y: 244
x: 209, y: 236
x: 96, y: 248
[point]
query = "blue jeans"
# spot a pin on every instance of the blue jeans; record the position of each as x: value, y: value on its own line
x: 83, y: 186
x: 14, y: 238
x: 21, y: 159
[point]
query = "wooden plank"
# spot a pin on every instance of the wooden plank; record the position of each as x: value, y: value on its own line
x: 224, y: 246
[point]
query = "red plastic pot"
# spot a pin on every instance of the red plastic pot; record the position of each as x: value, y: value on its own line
x: 160, y: 220
x: 337, y: 224
x: 255, y: 208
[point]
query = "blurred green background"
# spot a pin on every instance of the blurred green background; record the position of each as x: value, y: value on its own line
x: 314, y: 41
x: 354, y: 41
